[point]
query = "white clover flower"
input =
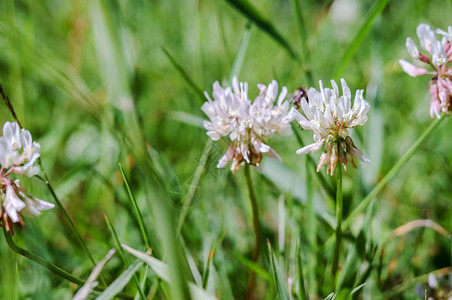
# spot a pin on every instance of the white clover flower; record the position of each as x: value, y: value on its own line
x: 440, y: 53
x: 18, y: 154
x: 247, y: 123
x: 330, y: 116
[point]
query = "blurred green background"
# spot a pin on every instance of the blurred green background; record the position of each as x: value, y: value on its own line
x: 96, y: 81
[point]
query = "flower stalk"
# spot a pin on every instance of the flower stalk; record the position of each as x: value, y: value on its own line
x: 257, y: 232
x: 339, y: 206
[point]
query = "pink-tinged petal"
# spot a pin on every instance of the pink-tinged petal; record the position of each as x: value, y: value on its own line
x: 223, y: 161
x: 272, y: 153
x: 261, y: 147
x: 359, y: 155
x: 310, y: 148
x: 412, y: 49
x: 410, y: 69
x: 322, y: 161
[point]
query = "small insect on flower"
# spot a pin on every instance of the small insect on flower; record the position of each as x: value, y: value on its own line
x: 18, y: 154
x: 298, y: 95
x: 331, y: 116
x: 231, y: 113
x: 439, y: 58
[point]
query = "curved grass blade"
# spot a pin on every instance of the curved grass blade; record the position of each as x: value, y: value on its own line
x: 241, y: 51
x: 49, y: 266
x: 249, y: 11
x: 162, y: 271
x: 135, y: 207
x: 278, y: 277
x: 197, y: 177
x: 185, y: 76
x: 373, y: 193
x: 373, y: 13
x: 260, y: 271
x: 122, y: 254
x: 120, y: 282
x: 65, y: 215
x: 91, y: 282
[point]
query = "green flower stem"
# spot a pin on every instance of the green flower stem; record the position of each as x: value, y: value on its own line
x: 403, y: 160
x: 65, y: 215
x: 337, y: 248
x: 391, y: 173
x: 257, y: 231
x: 320, y: 177
x: 51, y: 267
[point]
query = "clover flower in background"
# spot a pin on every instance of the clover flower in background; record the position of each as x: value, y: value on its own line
x: 18, y: 154
x: 231, y: 113
x: 330, y: 117
x: 440, y: 57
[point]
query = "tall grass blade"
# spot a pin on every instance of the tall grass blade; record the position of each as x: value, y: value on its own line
x: 162, y: 271
x: 373, y: 13
x: 91, y: 282
x: 197, y: 177
x: 120, y: 282
x: 136, y: 208
x: 402, y: 161
x: 303, y: 293
x: 254, y: 267
x: 250, y: 12
x: 122, y: 254
x: 241, y: 51
x: 185, y: 76
x: 65, y: 215
x: 278, y: 276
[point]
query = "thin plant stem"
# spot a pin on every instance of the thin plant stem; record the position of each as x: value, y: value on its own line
x: 403, y: 160
x: 51, y: 267
x: 257, y: 232
x: 65, y: 215
x: 337, y: 247
x: 9, y: 105
x: 391, y: 173
x: 320, y: 177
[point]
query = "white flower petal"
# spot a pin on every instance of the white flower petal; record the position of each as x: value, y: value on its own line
x: 310, y: 148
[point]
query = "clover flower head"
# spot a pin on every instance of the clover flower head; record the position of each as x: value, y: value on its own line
x: 438, y: 56
x: 330, y: 117
x: 18, y: 154
x: 231, y: 113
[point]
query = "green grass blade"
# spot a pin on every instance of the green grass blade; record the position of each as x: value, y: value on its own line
x: 311, y: 233
x: 206, y: 273
x: 241, y: 51
x: 120, y: 282
x: 185, y: 76
x: 373, y: 13
x: 162, y: 271
x: 65, y: 215
x: 249, y: 11
x: 260, y: 271
x: 330, y: 190
x: 197, y: 177
x: 304, y: 39
x: 278, y: 275
x: 402, y: 161
x: 135, y: 207
x: 86, y: 289
x: 303, y: 293
x: 122, y: 254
